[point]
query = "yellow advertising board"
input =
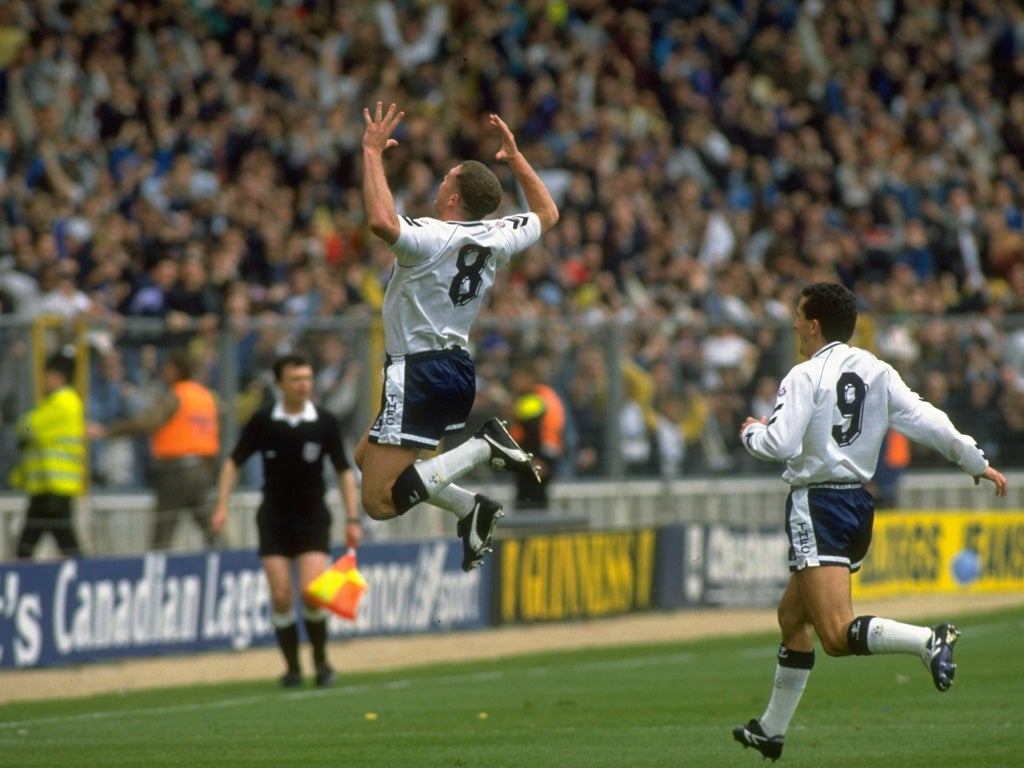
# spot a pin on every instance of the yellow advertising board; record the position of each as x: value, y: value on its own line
x: 960, y: 552
x: 570, y: 576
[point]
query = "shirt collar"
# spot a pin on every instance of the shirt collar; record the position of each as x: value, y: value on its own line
x: 308, y: 413
x: 830, y: 345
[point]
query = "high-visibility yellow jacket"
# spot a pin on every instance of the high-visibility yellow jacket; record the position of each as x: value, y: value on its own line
x: 53, y: 446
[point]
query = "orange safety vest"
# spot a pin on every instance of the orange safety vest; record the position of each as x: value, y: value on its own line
x: 193, y: 429
x: 552, y: 417
x: 897, y: 450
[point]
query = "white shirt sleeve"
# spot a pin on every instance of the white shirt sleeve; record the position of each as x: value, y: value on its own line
x: 782, y: 438
x: 923, y: 423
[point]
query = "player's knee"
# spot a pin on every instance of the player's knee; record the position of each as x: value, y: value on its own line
x: 371, y: 505
x: 834, y: 643
x: 377, y: 503
x: 790, y: 623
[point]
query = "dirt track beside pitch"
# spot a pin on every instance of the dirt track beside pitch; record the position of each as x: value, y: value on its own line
x: 366, y: 654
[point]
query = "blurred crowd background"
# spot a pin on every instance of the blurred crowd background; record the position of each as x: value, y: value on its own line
x: 195, y: 166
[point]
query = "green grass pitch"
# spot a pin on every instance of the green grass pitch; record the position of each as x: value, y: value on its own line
x: 645, y: 705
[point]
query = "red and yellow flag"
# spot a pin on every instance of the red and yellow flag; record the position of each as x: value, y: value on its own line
x: 339, y: 588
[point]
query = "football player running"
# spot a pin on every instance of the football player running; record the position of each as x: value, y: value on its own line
x: 830, y: 417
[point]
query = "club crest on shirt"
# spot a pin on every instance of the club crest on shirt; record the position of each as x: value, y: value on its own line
x: 782, y: 391
x: 311, y: 452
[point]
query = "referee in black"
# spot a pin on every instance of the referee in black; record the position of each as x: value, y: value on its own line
x: 294, y: 436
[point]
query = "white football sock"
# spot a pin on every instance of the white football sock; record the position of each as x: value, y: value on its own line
x: 438, y: 471
x: 786, y: 692
x: 888, y: 636
x: 455, y: 499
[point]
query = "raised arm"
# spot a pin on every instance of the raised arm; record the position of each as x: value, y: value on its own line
x: 377, y: 197
x: 537, y: 195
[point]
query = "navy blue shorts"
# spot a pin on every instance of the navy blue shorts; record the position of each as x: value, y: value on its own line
x: 829, y: 525
x: 424, y: 397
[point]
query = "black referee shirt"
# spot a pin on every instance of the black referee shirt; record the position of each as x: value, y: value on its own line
x: 293, y: 450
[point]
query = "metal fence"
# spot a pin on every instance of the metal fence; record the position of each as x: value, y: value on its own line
x: 617, y: 378
x: 626, y: 384
x: 599, y: 367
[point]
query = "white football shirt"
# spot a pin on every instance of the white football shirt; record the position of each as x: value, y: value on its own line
x: 833, y: 411
x: 442, y: 271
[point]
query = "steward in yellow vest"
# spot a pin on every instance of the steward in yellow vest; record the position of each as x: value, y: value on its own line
x: 52, y: 470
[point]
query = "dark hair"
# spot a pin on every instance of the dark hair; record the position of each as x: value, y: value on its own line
x: 479, y: 188
x: 288, y: 360
x: 834, y: 307
x: 61, y: 363
x: 182, y: 363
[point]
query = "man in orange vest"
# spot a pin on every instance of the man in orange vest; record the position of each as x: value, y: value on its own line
x: 185, y: 445
x: 538, y: 425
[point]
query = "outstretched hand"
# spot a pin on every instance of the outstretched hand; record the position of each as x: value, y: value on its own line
x: 380, y: 126
x: 508, y: 141
x: 996, y: 477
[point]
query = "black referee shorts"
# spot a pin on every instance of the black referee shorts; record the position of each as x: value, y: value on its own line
x: 293, y: 530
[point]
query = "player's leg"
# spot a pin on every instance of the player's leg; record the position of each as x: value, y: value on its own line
x: 829, y: 529
x: 825, y: 595
x: 277, y: 569
x: 794, y: 661
x: 424, y: 398
x: 391, y: 444
x: 869, y: 635
x: 426, y: 478
x: 841, y: 519
x: 393, y: 482
x: 310, y: 565
x: 795, y: 656
x: 382, y: 466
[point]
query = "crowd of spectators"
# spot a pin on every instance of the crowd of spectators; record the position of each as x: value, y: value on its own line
x: 197, y: 163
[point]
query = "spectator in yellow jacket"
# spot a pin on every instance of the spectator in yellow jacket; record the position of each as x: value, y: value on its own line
x: 52, y: 470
